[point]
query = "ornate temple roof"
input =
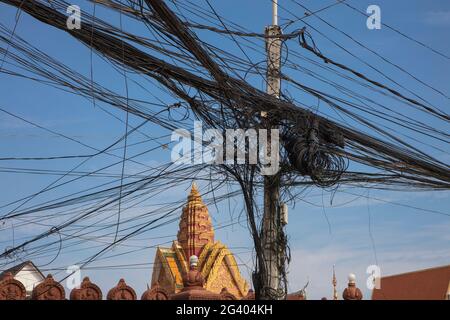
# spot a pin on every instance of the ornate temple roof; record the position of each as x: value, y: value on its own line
x: 196, y: 237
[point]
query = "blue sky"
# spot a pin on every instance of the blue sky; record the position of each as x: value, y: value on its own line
x: 350, y: 229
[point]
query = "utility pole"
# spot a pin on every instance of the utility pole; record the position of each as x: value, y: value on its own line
x: 271, y: 227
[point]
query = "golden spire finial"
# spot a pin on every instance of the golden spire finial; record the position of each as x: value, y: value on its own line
x: 194, y: 195
x: 334, y: 282
x: 194, y: 188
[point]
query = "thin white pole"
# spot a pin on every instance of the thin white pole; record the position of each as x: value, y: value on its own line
x: 275, y: 12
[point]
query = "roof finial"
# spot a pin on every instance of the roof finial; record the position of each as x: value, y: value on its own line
x: 351, y: 279
x: 194, y: 194
x: 193, y: 261
x: 334, y: 282
x: 352, y: 292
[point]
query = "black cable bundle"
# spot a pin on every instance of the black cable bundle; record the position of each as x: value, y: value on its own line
x: 309, y: 153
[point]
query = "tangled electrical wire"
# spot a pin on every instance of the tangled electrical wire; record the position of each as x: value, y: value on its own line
x: 209, y: 83
x: 308, y: 153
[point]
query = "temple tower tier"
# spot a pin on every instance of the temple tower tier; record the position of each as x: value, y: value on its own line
x: 195, y: 229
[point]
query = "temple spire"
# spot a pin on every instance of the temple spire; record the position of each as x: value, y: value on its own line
x: 195, y: 225
x: 194, y: 196
x: 334, y: 282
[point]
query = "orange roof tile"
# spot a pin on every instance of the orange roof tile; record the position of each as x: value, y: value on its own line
x: 427, y: 284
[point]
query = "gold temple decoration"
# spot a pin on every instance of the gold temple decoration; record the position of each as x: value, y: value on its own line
x: 216, y: 263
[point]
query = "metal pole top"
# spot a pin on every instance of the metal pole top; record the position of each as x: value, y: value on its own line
x: 275, y: 12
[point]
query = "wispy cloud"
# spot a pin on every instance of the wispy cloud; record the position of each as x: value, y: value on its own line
x: 316, y: 266
x: 438, y: 18
x: 397, y: 253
